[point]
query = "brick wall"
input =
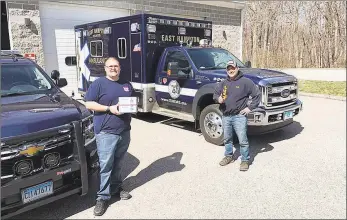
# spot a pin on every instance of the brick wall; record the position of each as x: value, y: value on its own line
x: 26, y: 5
x: 226, y: 21
x: 219, y: 15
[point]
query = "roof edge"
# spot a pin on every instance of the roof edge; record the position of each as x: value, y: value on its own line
x: 225, y: 4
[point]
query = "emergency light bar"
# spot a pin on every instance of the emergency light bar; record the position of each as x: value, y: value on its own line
x: 152, y: 20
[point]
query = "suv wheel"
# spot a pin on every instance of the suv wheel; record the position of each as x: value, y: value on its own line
x: 211, y: 124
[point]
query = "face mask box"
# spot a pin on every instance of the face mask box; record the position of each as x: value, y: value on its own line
x: 127, y: 104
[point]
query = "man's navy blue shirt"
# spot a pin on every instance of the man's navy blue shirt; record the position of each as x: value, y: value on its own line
x: 106, y: 92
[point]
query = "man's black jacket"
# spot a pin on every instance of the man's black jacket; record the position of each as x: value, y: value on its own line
x: 236, y: 93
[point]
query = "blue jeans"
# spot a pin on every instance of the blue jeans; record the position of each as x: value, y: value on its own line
x: 111, y: 151
x: 238, y: 123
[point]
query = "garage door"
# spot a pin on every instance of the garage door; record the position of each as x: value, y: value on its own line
x: 57, y: 23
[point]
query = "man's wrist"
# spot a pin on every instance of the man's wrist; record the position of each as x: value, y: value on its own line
x: 108, y: 109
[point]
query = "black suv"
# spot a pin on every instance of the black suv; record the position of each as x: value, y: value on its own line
x: 47, y: 141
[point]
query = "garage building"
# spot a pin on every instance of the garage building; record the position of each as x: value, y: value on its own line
x: 45, y: 28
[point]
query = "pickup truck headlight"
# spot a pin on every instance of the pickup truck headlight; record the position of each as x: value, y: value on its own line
x: 88, y: 130
x: 262, y: 95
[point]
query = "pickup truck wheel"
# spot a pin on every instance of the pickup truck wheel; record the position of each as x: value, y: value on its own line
x: 211, y: 124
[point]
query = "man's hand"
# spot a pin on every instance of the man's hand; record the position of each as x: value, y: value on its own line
x: 114, y: 109
x: 220, y: 99
x: 245, y: 111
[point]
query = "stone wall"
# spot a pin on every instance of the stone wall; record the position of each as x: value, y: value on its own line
x: 26, y: 38
x: 226, y: 21
x: 228, y: 37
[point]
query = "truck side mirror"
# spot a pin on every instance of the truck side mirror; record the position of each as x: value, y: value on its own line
x: 55, y: 74
x: 62, y: 82
x: 248, y: 64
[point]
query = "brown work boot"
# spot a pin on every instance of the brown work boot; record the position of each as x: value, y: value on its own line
x: 226, y: 160
x: 244, y: 166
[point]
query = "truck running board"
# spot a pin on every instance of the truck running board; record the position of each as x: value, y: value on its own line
x: 173, y: 114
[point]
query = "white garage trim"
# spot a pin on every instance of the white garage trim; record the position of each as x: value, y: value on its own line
x: 58, y: 36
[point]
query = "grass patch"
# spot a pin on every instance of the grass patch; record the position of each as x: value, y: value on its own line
x: 323, y: 87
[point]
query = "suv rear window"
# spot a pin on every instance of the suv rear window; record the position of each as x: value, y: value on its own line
x: 23, y: 79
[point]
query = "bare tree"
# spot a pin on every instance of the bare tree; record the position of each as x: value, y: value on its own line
x: 295, y: 34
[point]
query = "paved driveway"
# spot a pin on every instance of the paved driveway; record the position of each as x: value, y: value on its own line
x: 299, y: 172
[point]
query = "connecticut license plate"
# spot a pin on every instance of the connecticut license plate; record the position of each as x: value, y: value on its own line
x: 37, y: 192
x: 287, y: 115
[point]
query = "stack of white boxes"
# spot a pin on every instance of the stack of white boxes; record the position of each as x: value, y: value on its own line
x: 127, y: 104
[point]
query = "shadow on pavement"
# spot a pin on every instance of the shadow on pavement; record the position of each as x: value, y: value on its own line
x: 285, y: 133
x: 262, y: 143
x: 169, y: 164
x: 258, y: 143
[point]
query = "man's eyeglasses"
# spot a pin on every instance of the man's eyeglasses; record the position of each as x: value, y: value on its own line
x: 115, y: 66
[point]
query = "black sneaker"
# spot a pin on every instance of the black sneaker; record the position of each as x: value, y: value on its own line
x: 100, y: 207
x: 226, y: 160
x: 124, y: 195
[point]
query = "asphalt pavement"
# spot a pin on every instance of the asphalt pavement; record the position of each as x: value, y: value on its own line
x: 172, y: 172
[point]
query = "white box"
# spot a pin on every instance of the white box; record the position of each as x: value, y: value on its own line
x: 127, y: 104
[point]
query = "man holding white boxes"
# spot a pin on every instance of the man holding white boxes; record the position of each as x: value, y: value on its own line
x: 113, y: 103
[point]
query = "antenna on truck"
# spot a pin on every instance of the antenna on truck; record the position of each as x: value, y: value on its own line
x: 189, y: 43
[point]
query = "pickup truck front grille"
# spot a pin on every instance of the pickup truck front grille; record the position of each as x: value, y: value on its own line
x: 41, y: 152
x: 279, y: 94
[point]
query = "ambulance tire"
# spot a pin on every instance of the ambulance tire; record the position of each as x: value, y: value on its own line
x: 214, y: 110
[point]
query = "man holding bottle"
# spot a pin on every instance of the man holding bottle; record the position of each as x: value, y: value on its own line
x: 233, y: 95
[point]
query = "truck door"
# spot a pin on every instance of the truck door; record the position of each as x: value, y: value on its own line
x: 121, y: 41
x: 175, y: 85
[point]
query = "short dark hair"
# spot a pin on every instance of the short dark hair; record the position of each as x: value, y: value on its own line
x: 112, y: 58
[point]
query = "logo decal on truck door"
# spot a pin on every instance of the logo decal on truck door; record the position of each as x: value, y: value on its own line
x: 174, y: 89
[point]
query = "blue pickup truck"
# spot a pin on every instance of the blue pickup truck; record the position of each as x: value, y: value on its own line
x: 174, y: 68
x: 47, y: 141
